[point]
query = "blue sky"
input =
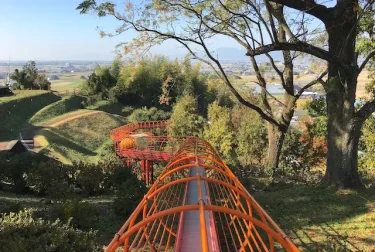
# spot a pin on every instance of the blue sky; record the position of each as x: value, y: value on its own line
x: 54, y: 30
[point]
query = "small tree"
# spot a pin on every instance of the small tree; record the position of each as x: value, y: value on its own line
x: 184, y: 119
x: 219, y: 131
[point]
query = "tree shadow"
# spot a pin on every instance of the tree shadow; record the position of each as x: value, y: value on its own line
x: 318, y: 218
x: 61, y: 141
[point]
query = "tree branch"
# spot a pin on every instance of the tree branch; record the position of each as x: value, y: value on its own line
x: 363, y: 65
x: 300, y: 47
x: 309, y: 6
x: 318, y: 80
x: 366, y: 110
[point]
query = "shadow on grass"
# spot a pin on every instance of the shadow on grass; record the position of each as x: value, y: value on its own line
x: 61, y: 141
x: 318, y: 218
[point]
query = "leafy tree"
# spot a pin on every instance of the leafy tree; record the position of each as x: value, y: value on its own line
x: 28, y: 78
x: 116, y: 68
x: 349, y: 30
x: 219, y: 131
x: 184, y: 119
x: 251, y: 137
x: 201, y: 22
x: 102, y: 80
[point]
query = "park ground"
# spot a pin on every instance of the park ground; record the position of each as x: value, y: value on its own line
x: 315, y: 217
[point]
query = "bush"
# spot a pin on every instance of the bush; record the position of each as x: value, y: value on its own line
x: 128, y: 196
x: 14, y: 169
x: 10, y: 207
x: 121, y: 174
x: 44, y: 175
x: 91, y: 178
x: 21, y: 232
x: 80, y: 214
x: 152, y: 114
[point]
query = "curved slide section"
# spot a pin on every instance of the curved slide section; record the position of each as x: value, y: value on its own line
x: 197, y: 204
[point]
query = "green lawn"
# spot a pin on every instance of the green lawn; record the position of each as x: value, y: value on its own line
x: 81, y: 139
x: 15, y: 111
x: 65, y: 105
x: 20, y: 94
x: 317, y: 218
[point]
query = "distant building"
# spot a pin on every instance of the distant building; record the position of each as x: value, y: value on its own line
x: 14, y: 147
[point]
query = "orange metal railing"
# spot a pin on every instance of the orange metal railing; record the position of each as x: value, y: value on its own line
x: 239, y: 222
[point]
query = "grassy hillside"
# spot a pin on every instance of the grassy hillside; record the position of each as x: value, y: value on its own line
x: 318, y: 218
x: 80, y: 139
x: 113, y: 108
x: 15, y: 111
x: 67, y: 104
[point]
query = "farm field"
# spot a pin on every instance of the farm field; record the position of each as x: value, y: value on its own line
x: 69, y: 82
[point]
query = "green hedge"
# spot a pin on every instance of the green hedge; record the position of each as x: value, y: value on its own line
x: 67, y: 104
x: 16, y: 113
x: 22, y: 232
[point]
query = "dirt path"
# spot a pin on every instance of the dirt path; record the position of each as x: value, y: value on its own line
x: 28, y: 135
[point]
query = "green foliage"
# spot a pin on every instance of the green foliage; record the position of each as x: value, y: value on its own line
x: 316, y: 108
x: 21, y: 232
x: 65, y: 105
x: 219, y: 132
x: 102, y: 80
x: 43, y: 175
x: 78, y: 214
x: 28, y: 78
x: 128, y: 195
x: 90, y: 177
x: 367, y: 147
x: 184, y: 120
x: 121, y: 174
x: 293, y: 150
x: 16, y: 113
x: 251, y: 137
x: 14, y: 168
x: 152, y: 114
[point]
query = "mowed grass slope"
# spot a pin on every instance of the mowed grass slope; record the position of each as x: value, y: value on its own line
x: 318, y: 218
x: 15, y: 111
x: 65, y: 105
x: 80, y: 139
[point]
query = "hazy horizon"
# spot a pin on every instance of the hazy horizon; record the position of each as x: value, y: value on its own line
x: 44, y: 30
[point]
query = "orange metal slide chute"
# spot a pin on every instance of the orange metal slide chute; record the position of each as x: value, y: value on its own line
x: 196, y: 181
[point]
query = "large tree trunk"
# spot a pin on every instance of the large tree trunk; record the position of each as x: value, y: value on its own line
x: 275, y: 143
x: 343, y: 126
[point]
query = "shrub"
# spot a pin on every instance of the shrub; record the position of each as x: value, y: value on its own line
x: 128, y: 196
x: 80, y: 214
x: 90, y: 177
x: 121, y: 174
x: 21, y: 232
x: 10, y: 207
x: 44, y: 175
x: 151, y: 114
x: 14, y: 168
